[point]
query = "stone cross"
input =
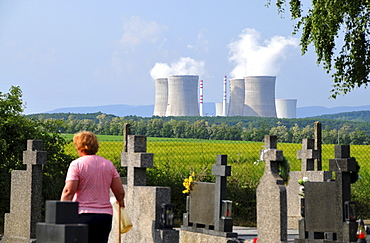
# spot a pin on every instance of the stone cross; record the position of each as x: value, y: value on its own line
x: 221, y: 170
x: 26, y: 196
x: 308, y: 154
x: 271, y: 197
x: 144, y: 203
x: 136, y: 160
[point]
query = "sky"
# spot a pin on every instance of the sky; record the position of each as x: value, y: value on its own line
x: 76, y: 53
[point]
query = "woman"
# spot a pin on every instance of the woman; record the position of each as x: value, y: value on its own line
x: 89, y: 180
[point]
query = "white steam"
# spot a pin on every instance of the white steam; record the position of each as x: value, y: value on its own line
x: 253, y: 59
x: 185, y: 66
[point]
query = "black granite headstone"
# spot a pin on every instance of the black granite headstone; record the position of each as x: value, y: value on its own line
x: 61, y: 224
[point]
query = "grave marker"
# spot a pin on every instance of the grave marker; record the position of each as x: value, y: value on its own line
x: 206, y: 208
x: 327, y: 213
x: 271, y: 197
x: 310, y: 155
x: 144, y: 203
x: 61, y: 224
x: 26, y: 196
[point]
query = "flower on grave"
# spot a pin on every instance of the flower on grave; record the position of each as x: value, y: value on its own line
x: 262, y: 153
x: 188, y: 183
x: 301, y: 183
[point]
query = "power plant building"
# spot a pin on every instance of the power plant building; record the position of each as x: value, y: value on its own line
x: 161, y: 96
x: 286, y: 108
x: 237, y: 96
x: 260, y: 96
x: 177, y: 97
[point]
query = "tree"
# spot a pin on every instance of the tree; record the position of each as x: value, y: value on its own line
x: 282, y: 133
x: 326, y: 24
x: 15, y: 130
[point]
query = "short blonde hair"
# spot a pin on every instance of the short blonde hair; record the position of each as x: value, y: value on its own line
x: 87, y: 142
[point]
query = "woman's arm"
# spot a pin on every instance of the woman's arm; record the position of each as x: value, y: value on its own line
x: 69, y: 190
x: 118, y: 191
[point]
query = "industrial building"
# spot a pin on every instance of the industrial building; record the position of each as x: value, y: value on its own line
x: 161, y: 96
x: 177, y: 95
x: 259, y: 96
x: 286, y: 108
x: 237, y: 96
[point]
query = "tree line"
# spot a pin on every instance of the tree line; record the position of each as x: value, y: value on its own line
x: 215, y: 128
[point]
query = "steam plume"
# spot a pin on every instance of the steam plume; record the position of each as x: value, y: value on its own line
x: 185, y: 66
x: 253, y: 59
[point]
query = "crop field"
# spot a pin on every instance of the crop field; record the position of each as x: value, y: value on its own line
x: 175, y: 159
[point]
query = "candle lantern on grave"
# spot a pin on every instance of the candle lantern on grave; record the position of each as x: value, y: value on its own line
x: 350, y: 211
x: 167, y: 216
x: 361, y: 232
x: 226, y: 209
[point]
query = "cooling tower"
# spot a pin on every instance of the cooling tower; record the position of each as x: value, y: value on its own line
x: 260, y: 96
x: 161, y: 96
x: 286, y: 108
x: 182, y: 95
x: 220, y: 108
x: 237, y: 96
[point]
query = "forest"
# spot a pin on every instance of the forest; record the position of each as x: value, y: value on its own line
x: 335, y: 129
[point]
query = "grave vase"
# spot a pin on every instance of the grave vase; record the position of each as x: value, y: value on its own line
x: 302, y: 207
x: 187, y: 204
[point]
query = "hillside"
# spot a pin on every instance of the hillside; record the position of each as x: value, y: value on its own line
x: 358, y: 116
x: 208, y: 110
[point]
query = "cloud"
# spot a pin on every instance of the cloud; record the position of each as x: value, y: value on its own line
x: 184, y: 66
x: 137, y: 31
x: 253, y: 59
x: 202, y: 43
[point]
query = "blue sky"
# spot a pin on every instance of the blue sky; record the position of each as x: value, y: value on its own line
x: 91, y: 53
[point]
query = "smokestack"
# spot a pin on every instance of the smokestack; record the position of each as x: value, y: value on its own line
x: 237, y: 97
x: 260, y: 96
x: 201, y: 97
x: 286, y: 108
x: 161, y: 96
x: 182, y: 95
x: 224, y: 98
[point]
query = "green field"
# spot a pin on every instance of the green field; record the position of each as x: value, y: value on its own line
x: 175, y: 159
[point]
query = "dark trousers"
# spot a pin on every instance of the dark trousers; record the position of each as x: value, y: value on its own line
x: 100, y: 226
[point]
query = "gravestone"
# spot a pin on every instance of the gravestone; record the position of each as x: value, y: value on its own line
x: 26, y: 196
x: 207, y: 218
x: 328, y: 209
x: 310, y: 164
x: 143, y: 203
x: 271, y: 196
x: 61, y: 224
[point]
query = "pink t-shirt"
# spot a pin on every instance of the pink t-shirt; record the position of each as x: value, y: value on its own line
x: 94, y: 175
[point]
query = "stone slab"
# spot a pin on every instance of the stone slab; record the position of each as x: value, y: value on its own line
x: 320, y: 218
x: 143, y: 204
x: 293, y: 191
x: 62, y: 233
x: 58, y: 212
x: 202, y: 205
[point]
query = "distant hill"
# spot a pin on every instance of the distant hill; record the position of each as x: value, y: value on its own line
x: 208, y: 110
x: 313, y: 111
x: 125, y: 110
x: 359, y: 116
